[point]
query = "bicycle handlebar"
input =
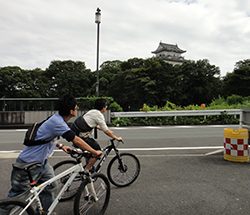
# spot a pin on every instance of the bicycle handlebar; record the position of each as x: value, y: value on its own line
x: 76, y: 153
x: 118, y: 141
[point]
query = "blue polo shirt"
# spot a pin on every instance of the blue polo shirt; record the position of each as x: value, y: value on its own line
x: 52, y: 128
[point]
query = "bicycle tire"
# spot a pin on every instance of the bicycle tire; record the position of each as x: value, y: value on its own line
x: 14, y: 207
x: 84, y: 204
x: 122, y: 177
x: 72, y: 190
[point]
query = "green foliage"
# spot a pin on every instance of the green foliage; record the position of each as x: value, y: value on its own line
x: 115, y: 107
x: 87, y: 103
x: 238, y: 81
x: 133, y: 82
x: 154, y: 82
x: 231, y: 102
x: 16, y: 83
x: 234, y: 99
x: 220, y: 103
x: 69, y: 77
x: 198, y: 83
x: 121, y: 122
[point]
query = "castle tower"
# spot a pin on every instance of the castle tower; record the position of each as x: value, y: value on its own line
x: 169, y: 53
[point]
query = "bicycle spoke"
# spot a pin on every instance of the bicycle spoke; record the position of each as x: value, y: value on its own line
x: 101, y: 190
x: 85, y: 208
x: 86, y: 203
x: 71, y: 191
x: 123, y: 170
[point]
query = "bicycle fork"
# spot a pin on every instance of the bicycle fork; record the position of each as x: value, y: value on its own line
x: 90, y: 190
x: 122, y: 167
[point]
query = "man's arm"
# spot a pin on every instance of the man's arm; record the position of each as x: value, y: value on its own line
x: 83, y: 145
x: 112, y: 135
x: 101, y: 124
x: 71, y: 137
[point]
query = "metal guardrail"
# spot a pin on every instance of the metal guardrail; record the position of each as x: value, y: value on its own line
x: 28, y: 117
x: 245, y: 120
x: 176, y: 113
x: 179, y: 113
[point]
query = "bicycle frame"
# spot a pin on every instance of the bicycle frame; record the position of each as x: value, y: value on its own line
x: 35, y: 191
x: 106, y: 152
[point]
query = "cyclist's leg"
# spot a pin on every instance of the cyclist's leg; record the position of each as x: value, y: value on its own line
x: 20, y: 180
x: 20, y: 183
x: 48, y: 195
x: 95, y: 145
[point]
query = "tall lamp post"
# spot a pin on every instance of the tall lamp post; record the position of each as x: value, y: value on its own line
x: 97, y: 21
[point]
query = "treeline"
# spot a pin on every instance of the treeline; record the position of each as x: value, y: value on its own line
x: 130, y: 83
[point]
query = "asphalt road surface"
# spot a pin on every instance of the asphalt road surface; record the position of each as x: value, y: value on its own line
x: 182, y: 172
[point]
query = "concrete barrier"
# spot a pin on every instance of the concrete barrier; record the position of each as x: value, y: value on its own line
x: 23, y: 119
x: 12, y: 117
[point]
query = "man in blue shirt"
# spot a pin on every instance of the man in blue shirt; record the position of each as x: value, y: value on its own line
x: 52, y: 128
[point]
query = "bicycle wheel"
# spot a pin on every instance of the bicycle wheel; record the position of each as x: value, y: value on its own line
x: 15, y: 207
x: 72, y: 190
x: 123, y: 170
x: 85, y: 204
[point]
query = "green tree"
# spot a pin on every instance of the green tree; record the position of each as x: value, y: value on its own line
x: 70, y: 77
x: 9, y: 78
x: 141, y: 81
x: 238, y: 82
x: 16, y: 82
x: 108, y: 72
x: 197, y: 82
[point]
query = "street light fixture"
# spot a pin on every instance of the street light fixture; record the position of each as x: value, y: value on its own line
x: 97, y: 21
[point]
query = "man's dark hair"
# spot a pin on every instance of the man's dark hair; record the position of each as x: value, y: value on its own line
x: 100, y: 104
x: 65, y: 104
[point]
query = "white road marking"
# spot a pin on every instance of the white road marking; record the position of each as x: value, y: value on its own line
x: 170, y: 148
x: 144, y: 127
x: 215, y: 152
x: 14, y: 153
x: 11, y: 153
x: 172, y: 127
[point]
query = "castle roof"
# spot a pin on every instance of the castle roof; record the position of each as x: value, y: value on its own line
x: 168, y: 48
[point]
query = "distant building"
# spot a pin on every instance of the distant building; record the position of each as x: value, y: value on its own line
x: 169, y: 53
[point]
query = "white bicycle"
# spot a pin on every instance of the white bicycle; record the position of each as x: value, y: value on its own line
x: 92, y: 196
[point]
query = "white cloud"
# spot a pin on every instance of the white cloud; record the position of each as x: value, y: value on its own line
x: 35, y: 32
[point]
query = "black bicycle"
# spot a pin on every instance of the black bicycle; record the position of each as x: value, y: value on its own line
x: 123, y: 169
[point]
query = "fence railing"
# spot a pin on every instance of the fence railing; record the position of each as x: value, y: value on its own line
x: 176, y: 113
x: 28, y: 117
x: 182, y: 113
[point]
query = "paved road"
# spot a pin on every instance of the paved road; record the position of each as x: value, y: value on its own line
x: 182, y: 172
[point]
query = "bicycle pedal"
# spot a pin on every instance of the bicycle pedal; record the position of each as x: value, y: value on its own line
x: 93, y: 199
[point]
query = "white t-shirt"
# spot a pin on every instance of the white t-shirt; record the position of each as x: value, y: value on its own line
x: 95, y: 117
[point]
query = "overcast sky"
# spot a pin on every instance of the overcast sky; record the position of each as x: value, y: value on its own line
x: 36, y: 32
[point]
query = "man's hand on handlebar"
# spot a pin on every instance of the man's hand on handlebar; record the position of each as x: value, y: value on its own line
x: 119, y: 139
x: 66, y: 149
x: 98, y: 153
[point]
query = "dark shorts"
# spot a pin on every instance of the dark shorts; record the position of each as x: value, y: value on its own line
x: 90, y: 141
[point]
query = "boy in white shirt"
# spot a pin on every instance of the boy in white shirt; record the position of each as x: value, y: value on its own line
x: 84, y: 125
